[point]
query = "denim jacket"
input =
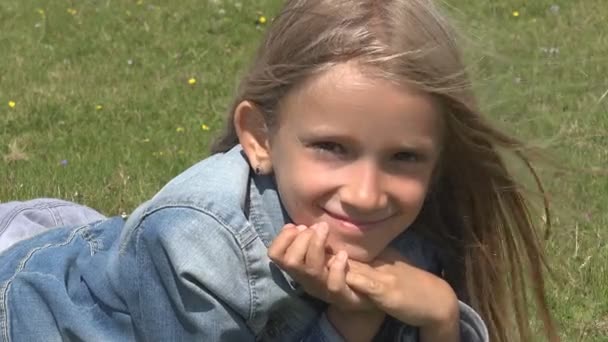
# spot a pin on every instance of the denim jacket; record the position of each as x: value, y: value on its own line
x: 22, y: 220
x: 190, y: 264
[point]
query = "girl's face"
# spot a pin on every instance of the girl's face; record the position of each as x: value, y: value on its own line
x: 358, y: 153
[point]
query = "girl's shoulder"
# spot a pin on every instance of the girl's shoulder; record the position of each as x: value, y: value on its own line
x: 220, y: 178
x: 216, y: 186
x: 205, y: 200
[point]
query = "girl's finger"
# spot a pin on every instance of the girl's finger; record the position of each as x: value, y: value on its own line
x: 338, y: 289
x: 281, y: 243
x: 315, y: 256
x: 364, y: 269
x: 336, y: 278
x: 294, y: 257
x: 364, y: 284
x: 331, y: 261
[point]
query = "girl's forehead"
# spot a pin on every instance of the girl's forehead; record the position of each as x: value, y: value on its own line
x: 350, y: 85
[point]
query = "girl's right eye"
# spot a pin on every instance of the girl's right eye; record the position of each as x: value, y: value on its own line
x: 328, y: 147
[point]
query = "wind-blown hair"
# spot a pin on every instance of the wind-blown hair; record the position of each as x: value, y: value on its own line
x: 476, y: 211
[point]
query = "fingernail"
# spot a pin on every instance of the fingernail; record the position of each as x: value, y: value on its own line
x: 331, y: 260
x: 301, y: 227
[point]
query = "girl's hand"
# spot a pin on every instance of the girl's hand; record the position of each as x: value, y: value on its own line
x: 409, y: 294
x: 300, y: 251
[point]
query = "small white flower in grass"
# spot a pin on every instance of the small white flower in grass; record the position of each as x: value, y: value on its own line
x: 554, y: 9
x: 551, y: 51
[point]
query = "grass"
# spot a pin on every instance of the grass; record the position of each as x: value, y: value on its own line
x: 104, y: 113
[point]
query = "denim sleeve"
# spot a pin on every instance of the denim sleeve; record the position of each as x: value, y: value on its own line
x: 323, y: 331
x: 184, y: 279
x: 472, y: 327
x: 22, y: 220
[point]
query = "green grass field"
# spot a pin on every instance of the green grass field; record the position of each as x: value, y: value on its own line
x: 102, y: 102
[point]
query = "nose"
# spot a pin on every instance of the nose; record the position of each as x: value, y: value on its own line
x: 363, y: 189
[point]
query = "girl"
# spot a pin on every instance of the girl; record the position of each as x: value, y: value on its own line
x: 356, y: 194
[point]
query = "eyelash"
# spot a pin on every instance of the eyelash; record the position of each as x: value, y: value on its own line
x: 328, y: 147
x: 338, y: 150
x: 408, y: 156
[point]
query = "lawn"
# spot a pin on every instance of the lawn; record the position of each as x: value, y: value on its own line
x: 102, y: 102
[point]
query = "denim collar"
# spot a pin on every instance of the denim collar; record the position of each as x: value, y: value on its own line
x: 267, y: 215
x: 265, y: 210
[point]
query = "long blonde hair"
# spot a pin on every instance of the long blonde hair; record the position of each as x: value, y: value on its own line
x: 476, y: 211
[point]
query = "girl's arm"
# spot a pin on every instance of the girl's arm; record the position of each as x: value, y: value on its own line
x: 416, y: 298
x: 172, y: 277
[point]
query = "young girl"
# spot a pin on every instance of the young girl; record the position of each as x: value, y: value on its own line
x: 357, y: 194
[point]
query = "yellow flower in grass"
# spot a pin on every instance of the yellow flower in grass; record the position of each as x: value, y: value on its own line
x: 40, y: 11
x: 515, y: 13
x: 12, y: 104
x: 192, y: 81
x: 98, y: 107
x: 72, y: 11
x: 204, y: 127
x: 179, y: 129
x: 262, y: 20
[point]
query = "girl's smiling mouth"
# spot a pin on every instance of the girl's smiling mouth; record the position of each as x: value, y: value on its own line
x: 356, y: 223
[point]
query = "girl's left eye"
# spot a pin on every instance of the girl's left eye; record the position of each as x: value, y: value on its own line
x: 328, y: 146
x: 408, y: 156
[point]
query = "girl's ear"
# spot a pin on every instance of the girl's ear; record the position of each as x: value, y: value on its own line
x: 253, y: 136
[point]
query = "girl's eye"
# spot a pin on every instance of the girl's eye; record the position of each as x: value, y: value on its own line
x: 328, y: 146
x: 407, y: 156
